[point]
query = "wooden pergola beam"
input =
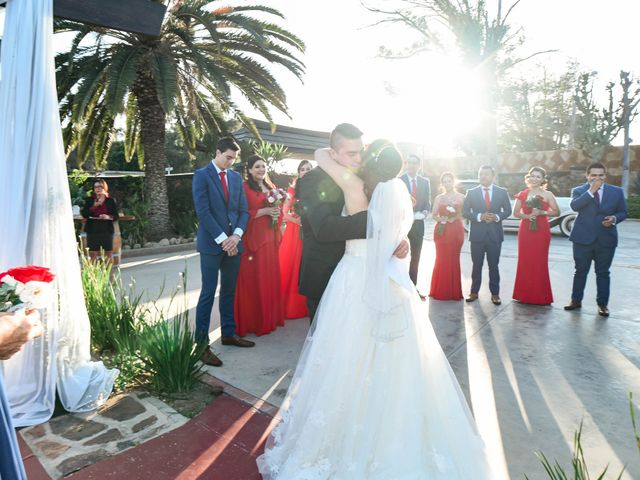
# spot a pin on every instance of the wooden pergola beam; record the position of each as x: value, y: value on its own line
x: 135, y: 16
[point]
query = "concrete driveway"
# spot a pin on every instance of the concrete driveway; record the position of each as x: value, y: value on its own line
x: 531, y: 373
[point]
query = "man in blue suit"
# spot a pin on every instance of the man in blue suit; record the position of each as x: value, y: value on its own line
x: 420, y: 190
x: 222, y: 212
x: 600, y: 208
x: 486, y: 206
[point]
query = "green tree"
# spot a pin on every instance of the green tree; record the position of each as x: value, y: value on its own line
x: 486, y: 42
x: 536, y: 113
x: 184, y: 77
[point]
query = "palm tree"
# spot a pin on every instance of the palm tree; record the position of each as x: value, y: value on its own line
x: 184, y: 77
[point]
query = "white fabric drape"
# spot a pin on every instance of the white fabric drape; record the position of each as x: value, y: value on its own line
x: 36, y: 224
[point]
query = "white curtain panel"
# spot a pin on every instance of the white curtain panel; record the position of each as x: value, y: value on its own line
x: 36, y: 224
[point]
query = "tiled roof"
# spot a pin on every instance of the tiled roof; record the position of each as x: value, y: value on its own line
x: 297, y: 140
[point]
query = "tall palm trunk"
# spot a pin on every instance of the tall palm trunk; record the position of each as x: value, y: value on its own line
x: 152, y: 137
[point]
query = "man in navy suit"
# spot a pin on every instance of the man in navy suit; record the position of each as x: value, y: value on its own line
x: 222, y: 212
x: 420, y: 190
x: 600, y: 208
x: 486, y: 206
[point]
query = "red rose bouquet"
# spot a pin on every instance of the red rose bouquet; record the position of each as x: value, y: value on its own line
x: 534, y: 202
x: 25, y: 288
x: 276, y: 197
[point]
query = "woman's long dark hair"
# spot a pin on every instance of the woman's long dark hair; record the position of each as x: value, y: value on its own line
x: 300, y: 165
x: 251, y: 161
x: 382, y: 162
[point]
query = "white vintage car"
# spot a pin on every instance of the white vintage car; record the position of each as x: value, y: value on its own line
x: 564, y: 222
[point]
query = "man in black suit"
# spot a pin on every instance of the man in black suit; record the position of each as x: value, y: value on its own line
x: 420, y: 190
x: 324, y: 229
x: 486, y: 206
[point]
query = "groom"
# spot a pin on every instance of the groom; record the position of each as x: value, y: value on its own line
x: 324, y: 229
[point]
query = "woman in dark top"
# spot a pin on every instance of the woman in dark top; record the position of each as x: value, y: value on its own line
x: 100, y: 211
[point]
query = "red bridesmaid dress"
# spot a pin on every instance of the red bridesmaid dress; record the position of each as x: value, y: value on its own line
x: 446, y: 283
x: 295, y: 305
x: 532, y: 283
x: 258, y: 301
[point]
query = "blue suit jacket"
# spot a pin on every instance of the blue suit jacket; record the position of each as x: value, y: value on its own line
x: 588, y: 226
x: 423, y: 187
x: 474, y: 205
x: 215, y: 216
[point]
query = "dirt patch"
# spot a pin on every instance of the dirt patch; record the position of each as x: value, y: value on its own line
x: 192, y: 403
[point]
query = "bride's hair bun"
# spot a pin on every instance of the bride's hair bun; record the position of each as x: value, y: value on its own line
x: 382, y: 160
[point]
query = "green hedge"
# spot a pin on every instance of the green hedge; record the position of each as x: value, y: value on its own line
x: 633, y: 207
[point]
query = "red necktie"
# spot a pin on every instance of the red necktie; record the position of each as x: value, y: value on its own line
x: 414, y: 188
x: 487, y: 199
x: 596, y: 197
x: 225, y: 189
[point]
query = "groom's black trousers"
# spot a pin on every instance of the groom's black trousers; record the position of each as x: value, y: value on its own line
x: 312, y: 305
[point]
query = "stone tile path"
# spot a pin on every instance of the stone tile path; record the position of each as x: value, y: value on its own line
x: 71, y: 442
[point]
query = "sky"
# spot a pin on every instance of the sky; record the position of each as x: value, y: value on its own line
x: 434, y: 97
x: 431, y: 99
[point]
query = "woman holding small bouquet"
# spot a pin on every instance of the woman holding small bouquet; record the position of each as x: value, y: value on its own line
x: 448, y: 237
x: 258, y: 302
x: 533, y: 207
x: 295, y: 305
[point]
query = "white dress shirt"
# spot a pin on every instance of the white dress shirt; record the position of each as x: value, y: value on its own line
x: 490, y: 188
x: 238, y: 231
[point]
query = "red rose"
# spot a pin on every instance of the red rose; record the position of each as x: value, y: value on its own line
x: 29, y: 274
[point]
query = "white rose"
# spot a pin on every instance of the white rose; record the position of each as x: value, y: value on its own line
x: 12, y: 282
x: 271, y: 199
x: 36, y: 294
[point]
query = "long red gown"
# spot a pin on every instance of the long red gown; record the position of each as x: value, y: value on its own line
x: 258, y: 301
x: 295, y: 305
x: 532, y: 283
x: 445, y: 279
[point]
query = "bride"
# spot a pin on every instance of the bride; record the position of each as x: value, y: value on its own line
x: 373, y: 396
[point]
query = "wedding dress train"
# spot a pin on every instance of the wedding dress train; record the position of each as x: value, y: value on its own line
x: 373, y: 396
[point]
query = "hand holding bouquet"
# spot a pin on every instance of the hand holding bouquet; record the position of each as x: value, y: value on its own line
x: 534, y: 202
x: 25, y: 288
x: 275, y: 198
x: 449, y: 213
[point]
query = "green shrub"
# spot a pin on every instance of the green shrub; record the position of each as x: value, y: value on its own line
x: 169, y: 350
x: 114, y: 316
x: 633, y: 207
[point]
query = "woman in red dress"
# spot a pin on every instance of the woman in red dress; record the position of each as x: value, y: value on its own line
x: 258, y: 302
x: 448, y: 236
x: 533, y: 207
x: 295, y: 305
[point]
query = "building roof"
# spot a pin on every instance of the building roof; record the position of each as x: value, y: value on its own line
x: 297, y: 140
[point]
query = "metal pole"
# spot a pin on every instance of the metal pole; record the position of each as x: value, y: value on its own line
x: 626, y: 84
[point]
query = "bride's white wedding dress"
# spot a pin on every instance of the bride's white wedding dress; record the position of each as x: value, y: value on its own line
x: 373, y: 396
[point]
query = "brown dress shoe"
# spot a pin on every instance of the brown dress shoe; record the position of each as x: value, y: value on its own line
x: 495, y: 299
x: 472, y: 297
x: 237, y: 342
x: 573, y: 306
x: 210, y: 358
x: 603, y: 310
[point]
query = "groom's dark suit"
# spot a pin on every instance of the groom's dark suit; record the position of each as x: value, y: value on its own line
x: 324, y: 232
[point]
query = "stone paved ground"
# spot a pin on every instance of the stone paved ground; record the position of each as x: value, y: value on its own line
x: 70, y: 442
